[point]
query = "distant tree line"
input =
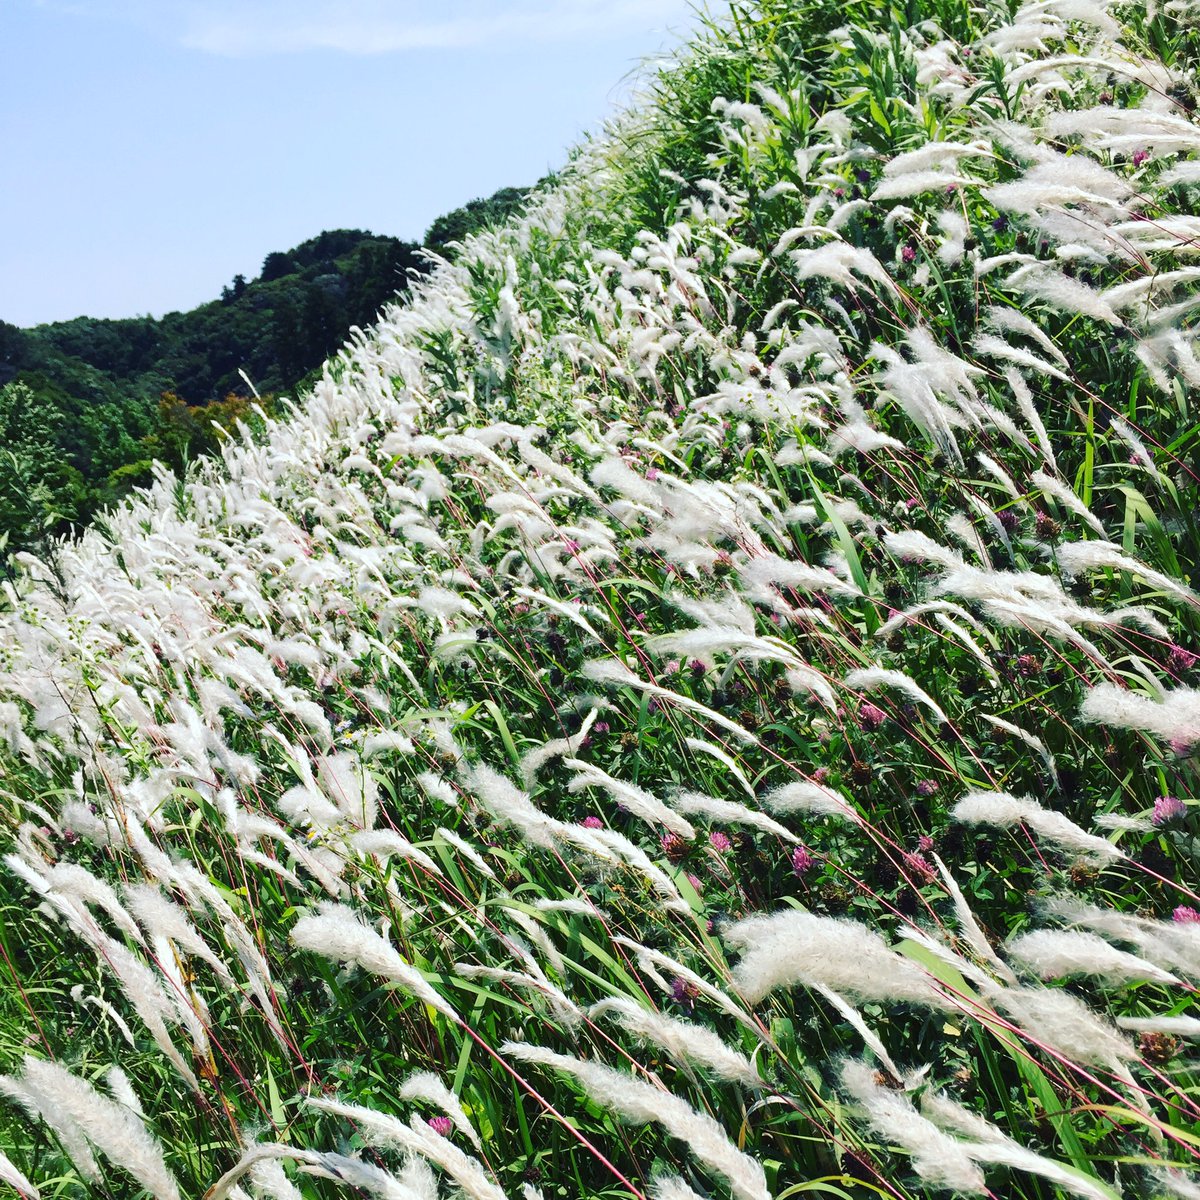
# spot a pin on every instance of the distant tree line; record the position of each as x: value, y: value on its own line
x: 88, y: 405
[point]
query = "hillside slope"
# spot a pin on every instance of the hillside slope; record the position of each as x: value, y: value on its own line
x: 699, y: 702
x: 99, y: 401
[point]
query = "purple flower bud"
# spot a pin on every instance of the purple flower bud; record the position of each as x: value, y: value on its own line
x: 719, y: 841
x: 1186, y: 916
x: 684, y: 993
x: 870, y: 716
x: 592, y: 823
x: 802, y: 861
x: 1180, y: 660
x: 674, y: 847
x: 442, y: 1125
x: 908, y: 254
x: 1139, y: 157
x: 918, y: 864
x: 925, y: 843
x: 1168, y: 808
x: 927, y: 787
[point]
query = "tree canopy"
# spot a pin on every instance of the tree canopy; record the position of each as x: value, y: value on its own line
x: 89, y: 404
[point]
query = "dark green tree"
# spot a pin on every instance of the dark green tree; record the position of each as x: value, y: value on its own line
x: 39, y: 492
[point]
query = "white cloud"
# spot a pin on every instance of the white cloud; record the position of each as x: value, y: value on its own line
x: 255, y: 27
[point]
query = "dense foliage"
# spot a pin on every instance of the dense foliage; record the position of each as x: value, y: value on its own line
x: 700, y: 702
x: 118, y: 395
x: 447, y: 233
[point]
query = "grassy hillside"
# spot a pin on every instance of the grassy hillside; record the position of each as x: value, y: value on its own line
x: 98, y: 402
x: 700, y: 702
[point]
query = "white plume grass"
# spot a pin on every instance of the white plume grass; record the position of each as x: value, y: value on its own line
x: 335, y: 932
x: 793, y: 947
x: 1004, y: 810
x: 643, y: 1103
x: 75, y: 1111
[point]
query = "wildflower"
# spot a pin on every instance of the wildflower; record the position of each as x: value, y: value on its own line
x: 684, y: 993
x: 1184, y: 915
x: 1000, y: 224
x: 652, y: 474
x: 441, y: 1125
x: 1158, y: 1048
x: 1046, y: 526
x: 870, y: 716
x: 927, y: 787
x: 719, y: 841
x: 908, y: 254
x: 925, y: 843
x: 674, y: 847
x: 1180, y: 660
x: 1138, y: 157
x: 697, y: 668
x: 919, y: 865
x: 591, y: 822
x: 600, y: 727
x: 802, y: 862
x: 861, y: 774
x: 1168, y: 808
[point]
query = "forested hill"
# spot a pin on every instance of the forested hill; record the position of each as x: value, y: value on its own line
x: 103, y: 399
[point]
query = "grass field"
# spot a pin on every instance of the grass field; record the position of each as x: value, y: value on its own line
x: 701, y: 702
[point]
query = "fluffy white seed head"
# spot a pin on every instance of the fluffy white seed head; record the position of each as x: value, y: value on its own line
x: 794, y: 947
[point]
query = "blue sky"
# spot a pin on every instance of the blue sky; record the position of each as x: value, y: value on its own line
x: 152, y: 149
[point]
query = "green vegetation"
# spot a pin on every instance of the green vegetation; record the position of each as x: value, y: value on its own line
x: 116, y: 395
x: 700, y: 703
